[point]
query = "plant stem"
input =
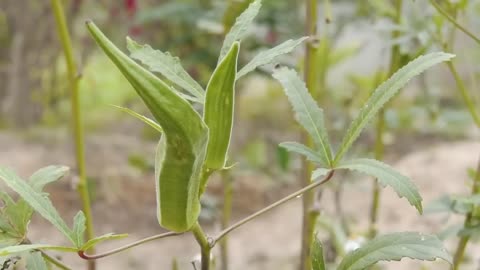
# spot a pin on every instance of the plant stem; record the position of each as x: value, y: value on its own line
x: 54, y: 261
x: 73, y: 78
x: 464, y: 93
x: 226, y: 215
x: 462, y: 244
x: 205, y: 245
x: 85, y: 256
x: 296, y: 194
x: 308, y: 221
x: 454, y: 21
x: 381, y: 125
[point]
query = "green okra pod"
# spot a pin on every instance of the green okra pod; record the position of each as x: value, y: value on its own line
x: 182, y: 148
x: 219, y: 106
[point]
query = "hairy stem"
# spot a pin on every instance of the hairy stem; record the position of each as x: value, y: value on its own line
x: 226, y: 215
x: 205, y: 245
x: 462, y: 244
x: 52, y: 260
x: 300, y: 192
x: 308, y: 220
x: 85, y: 256
x: 381, y: 125
x: 73, y: 78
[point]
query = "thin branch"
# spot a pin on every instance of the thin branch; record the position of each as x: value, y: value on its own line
x: 453, y: 21
x: 54, y: 261
x: 85, y: 256
x: 270, y: 207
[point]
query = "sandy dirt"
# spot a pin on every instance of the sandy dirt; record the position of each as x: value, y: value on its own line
x: 269, y: 242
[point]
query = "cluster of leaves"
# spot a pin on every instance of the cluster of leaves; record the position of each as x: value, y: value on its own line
x: 16, y: 215
x: 311, y: 118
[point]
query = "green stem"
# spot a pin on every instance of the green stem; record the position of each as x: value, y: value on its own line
x: 462, y: 244
x: 464, y: 93
x: 381, y: 125
x: 205, y: 245
x: 296, y: 194
x: 454, y: 21
x: 86, y: 256
x: 52, y: 260
x: 308, y: 220
x: 73, y: 78
x: 226, y: 215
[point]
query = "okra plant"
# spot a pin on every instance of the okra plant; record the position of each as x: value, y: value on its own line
x: 194, y: 144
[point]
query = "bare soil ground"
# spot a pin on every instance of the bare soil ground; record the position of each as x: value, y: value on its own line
x: 125, y: 203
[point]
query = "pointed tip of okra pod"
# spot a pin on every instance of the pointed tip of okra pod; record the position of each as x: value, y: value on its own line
x: 88, y: 22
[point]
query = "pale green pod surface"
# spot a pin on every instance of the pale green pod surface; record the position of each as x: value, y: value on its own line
x: 182, y: 146
x: 219, y: 105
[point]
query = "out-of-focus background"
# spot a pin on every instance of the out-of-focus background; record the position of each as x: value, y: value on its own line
x: 430, y: 135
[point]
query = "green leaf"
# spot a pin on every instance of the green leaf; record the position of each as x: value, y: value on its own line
x: 394, y: 247
x: 97, y: 240
x: 167, y: 65
x: 14, y: 218
x: 384, y: 93
x: 142, y: 118
x: 467, y: 199
x: 307, y: 113
x: 318, y: 262
x: 301, y: 149
x: 268, y: 56
x: 218, y: 112
x: 23, y: 248
x: 37, y: 201
x: 7, y: 239
x: 35, y: 261
x: 283, y: 158
x: 240, y: 28
x: 79, y: 228
x: 47, y: 175
x: 184, y: 140
x: 386, y: 175
x: 320, y: 172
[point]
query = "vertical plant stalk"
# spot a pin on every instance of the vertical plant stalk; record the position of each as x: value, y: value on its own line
x: 73, y: 78
x: 379, y: 151
x: 226, y: 215
x: 308, y: 199
x: 462, y: 244
x: 205, y: 246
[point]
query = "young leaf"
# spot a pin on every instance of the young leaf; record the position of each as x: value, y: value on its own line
x: 142, y: 118
x: 302, y: 150
x: 46, y: 176
x: 384, y: 93
x: 37, y: 201
x: 165, y: 64
x: 79, y: 228
x: 307, y: 113
x: 395, y: 246
x: 268, y: 56
x: 386, y: 175
x: 23, y: 248
x: 318, y: 262
x: 97, y: 240
x: 35, y: 261
x: 240, y: 28
x: 218, y: 112
x: 183, y: 142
